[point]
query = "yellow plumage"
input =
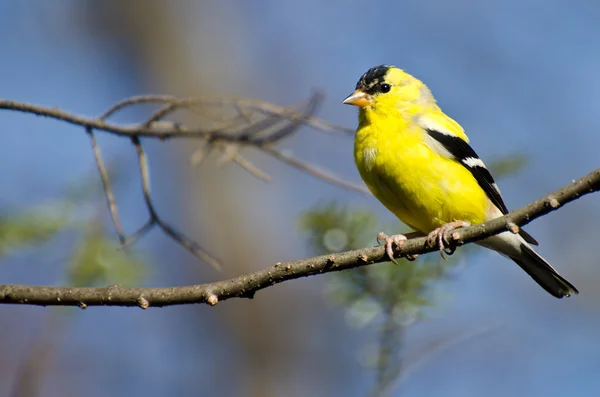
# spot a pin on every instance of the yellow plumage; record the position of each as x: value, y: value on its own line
x: 412, y: 181
x: 417, y: 161
x: 400, y: 169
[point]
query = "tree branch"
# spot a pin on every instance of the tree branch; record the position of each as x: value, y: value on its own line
x: 247, y: 285
x: 255, y: 123
x: 172, y: 130
x: 108, y: 192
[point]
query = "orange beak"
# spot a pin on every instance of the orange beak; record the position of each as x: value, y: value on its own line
x: 358, y: 98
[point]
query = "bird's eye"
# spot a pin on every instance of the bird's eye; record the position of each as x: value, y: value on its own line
x: 385, y: 88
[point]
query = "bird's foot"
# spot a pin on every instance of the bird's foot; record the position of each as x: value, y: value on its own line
x: 439, y: 237
x: 393, y: 241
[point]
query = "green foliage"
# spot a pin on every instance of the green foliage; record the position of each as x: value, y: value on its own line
x: 334, y: 228
x: 385, y: 287
x: 97, y: 260
x: 25, y: 229
x: 389, y: 295
x: 96, y: 257
x: 369, y: 291
x: 392, y: 296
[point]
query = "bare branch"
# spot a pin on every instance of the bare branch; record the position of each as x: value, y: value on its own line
x: 251, y: 168
x: 189, y: 244
x: 240, y: 103
x: 232, y: 153
x: 144, y: 176
x: 229, y: 134
x: 133, y: 237
x: 154, y: 219
x: 163, y: 130
x: 323, y: 175
x: 149, y: 131
x: 160, y: 114
x: 200, y: 153
x: 110, y: 196
x: 160, y: 131
x: 247, y: 285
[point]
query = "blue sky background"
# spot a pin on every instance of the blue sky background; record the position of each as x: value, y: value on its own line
x: 520, y: 76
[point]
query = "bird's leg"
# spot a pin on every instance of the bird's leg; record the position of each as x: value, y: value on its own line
x: 438, y: 237
x: 393, y: 241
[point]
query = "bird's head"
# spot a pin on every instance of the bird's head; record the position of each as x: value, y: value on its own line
x: 387, y: 89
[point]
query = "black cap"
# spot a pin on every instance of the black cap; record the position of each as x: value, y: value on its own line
x: 370, y: 80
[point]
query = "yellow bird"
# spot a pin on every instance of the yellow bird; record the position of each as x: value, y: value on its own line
x: 417, y: 161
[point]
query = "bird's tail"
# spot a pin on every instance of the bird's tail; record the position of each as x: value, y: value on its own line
x: 517, y: 249
x: 543, y: 273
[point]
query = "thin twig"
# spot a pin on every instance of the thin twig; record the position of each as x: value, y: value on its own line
x: 247, y: 285
x: 295, y: 121
x: 133, y: 237
x: 136, y: 129
x: 190, y: 245
x: 172, y: 130
x: 245, y: 103
x: 136, y: 100
x: 110, y: 196
x: 273, y: 124
x: 200, y: 153
x: 154, y: 219
x: 334, y: 180
x: 144, y: 176
x: 251, y: 168
x: 232, y: 153
x: 161, y: 113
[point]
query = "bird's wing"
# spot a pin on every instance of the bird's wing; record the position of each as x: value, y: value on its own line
x: 447, y: 138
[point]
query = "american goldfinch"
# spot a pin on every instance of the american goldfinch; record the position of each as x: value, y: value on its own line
x: 417, y: 161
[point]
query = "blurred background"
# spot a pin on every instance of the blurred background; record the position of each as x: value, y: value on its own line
x: 520, y: 76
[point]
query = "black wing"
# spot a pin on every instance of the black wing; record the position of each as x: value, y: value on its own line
x: 465, y: 155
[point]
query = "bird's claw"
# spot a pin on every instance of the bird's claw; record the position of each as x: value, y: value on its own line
x: 439, y: 238
x: 389, y: 242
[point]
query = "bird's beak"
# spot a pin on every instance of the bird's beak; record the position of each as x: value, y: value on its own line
x: 358, y: 98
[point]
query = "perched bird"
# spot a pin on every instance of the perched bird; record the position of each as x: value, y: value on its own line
x: 417, y: 161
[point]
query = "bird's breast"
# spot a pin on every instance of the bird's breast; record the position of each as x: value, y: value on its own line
x: 369, y: 157
x: 423, y: 189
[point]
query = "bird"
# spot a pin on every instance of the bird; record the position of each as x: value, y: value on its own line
x: 418, y: 163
